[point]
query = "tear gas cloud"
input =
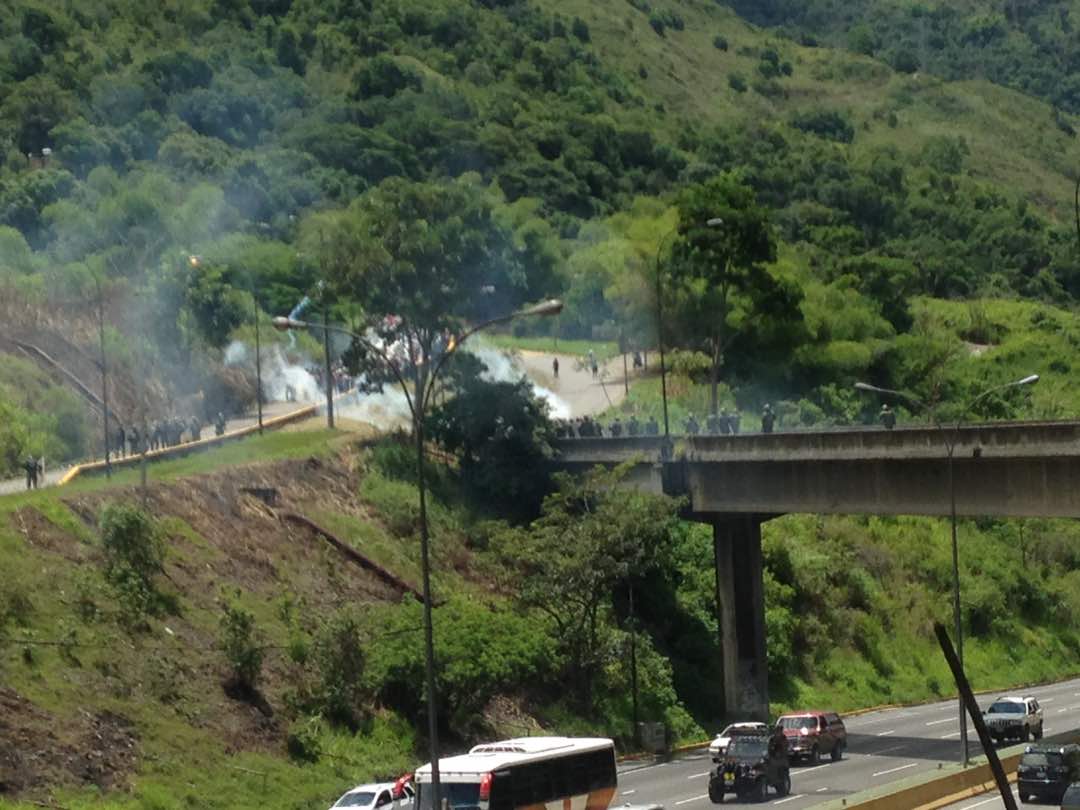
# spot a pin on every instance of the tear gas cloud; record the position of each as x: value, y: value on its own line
x: 386, y: 409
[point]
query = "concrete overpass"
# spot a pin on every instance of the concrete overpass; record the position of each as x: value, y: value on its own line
x: 735, y: 483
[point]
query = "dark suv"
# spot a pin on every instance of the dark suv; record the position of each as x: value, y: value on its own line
x: 1045, y: 771
x: 810, y: 735
x: 751, y: 765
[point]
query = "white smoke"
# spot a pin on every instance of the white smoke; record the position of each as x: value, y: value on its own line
x: 280, y: 376
x: 501, y: 368
x: 386, y: 409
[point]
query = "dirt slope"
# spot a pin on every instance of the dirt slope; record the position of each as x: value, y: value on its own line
x: 90, y: 703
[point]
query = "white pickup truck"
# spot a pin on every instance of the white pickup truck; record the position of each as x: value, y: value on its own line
x: 1012, y: 717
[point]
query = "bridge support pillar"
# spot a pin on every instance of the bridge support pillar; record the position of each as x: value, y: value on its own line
x: 740, y: 602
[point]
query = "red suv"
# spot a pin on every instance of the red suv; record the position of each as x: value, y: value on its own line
x: 812, y: 734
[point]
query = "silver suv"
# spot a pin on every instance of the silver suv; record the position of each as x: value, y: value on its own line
x: 1012, y: 717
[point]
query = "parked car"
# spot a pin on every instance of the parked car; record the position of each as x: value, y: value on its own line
x: 753, y: 764
x: 1046, y: 771
x: 379, y: 794
x: 810, y: 735
x: 1012, y: 717
x: 718, y: 747
x: 1071, y: 799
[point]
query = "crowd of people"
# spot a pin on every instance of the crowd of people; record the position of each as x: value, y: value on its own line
x: 586, y: 427
x: 162, y: 433
x: 724, y: 423
x: 716, y: 424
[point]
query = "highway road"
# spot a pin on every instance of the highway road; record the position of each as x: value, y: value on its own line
x: 883, y: 747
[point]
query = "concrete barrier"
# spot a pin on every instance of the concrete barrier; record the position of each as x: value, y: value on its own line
x: 181, y: 450
x: 938, y: 789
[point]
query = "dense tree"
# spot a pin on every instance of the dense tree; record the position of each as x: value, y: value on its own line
x: 422, y: 259
x: 590, y: 539
x: 502, y: 437
x: 719, y: 271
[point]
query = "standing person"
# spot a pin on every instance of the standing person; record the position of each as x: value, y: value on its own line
x: 196, y: 428
x: 887, y: 417
x: 692, y: 426
x: 156, y: 436
x: 615, y: 428
x: 135, y: 438
x: 30, y: 465
x: 768, y: 418
x: 652, y: 427
x: 121, y: 441
x: 219, y: 424
x: 725, y: 422
x: 712, y: 424
x: 733, y: 421
x: 39, y: 471
x: 633, y: 427
x: 555, y: 367
x: 638, y: 362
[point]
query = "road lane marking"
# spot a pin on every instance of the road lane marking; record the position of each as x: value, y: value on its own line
x: 629, y: 792
x: 980, y: 804
x: 812, y: 768
x: 821, y: 790
x: 695, y: 799
x: 886, y: 750
x: 939, y: 722
x: 886, y: 733
x: 698, y: 775
x: 788, y: 799
x: 950, y: 734
x: 894, y: 770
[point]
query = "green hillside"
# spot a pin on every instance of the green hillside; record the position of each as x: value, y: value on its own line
x: 818, y: 209
x: 1029, y: 46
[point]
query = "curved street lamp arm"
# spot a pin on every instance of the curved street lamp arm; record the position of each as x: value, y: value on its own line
x: 914, y: 400
x: 1030, y: 379
x: 551, y: 307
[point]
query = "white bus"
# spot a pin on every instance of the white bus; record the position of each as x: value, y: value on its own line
x: 531, y: 773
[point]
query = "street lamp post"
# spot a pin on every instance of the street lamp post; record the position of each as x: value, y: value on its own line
x: 418, y: 401
x: 711, y: 223
x: 950, y: 446
x: 195, y: 262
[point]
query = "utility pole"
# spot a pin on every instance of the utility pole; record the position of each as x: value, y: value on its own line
x: 326, y: 354
x: 258, y: 362
x: 104, y: 372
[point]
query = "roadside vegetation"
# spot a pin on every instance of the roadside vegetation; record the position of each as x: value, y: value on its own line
x: 815, y: 216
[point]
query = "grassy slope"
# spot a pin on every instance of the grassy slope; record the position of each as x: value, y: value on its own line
x: 195, y: 747
x: 1013, y: 138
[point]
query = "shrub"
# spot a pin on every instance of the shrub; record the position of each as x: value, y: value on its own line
x: 134, y: 556
x: 828, y: 124
x: 720, y: 42
x: 241, y: 647
x: 737, y: 82
x: 339, y: 658
x: 304, y: 741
